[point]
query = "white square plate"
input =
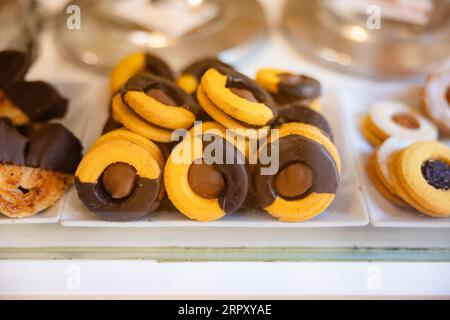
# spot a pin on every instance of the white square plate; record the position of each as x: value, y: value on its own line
x: 382, y: 213
x: 74, y: 120
x: 348, y: 209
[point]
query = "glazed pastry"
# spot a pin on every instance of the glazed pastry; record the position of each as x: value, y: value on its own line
x: 120, y: 178
x: 134, y: 64
x: 421, y: 177
x: 35, y: 171
x: 154, y: 107
x: 31, y: 101
x: 436, y: 99
x: 13, y: 65
x: 191, y: 76
x: 393, y: 118
x: 303, y: 114
x: 308, y: 176
x: 234, y: 100
x: 202, y: 188
x: 287, y: 88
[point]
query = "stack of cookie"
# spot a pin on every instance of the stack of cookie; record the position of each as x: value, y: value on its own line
x: 413, y: 175
x: 37, y: 159
x: 148, y: 106
x: 409, y: 167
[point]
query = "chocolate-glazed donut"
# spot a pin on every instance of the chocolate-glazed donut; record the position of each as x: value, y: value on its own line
x: 35, y: 170
x: 201, y: 188
x: 297, y: 112
x: 135, y: 64
x: 13, y: 65
x: 32, y: 101
x: 120, y: 179
x: 313, y: 169
x: 227, y: 94
x: 190, y: 77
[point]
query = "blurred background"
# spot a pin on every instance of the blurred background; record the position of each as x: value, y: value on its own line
x: 370, y: 38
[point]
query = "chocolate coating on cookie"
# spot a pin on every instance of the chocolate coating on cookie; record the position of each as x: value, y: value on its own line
x: 299, y: 87
x: 297, y: 112
x: 158, y: 67
x: 37, y: 99
x: 298, y: 149
x: 13, y: 65
x: 146, y: 82
x: 136, y: 205
x: 234, y: 172
x: 239, y: 81
x: 248, y: 87
x: 198, y: 68
x: 51, y: 147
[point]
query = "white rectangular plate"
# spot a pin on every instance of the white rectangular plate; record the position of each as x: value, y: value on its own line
x: 74, y: 120
x: 382, y: 213
x: 348, y: 209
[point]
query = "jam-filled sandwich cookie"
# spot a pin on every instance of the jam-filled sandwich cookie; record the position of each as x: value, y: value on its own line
x: 296, y: 113
x: 25, y: 102
x: 13, y: 65
x: 287, y: 87
x: 436, y: 99
x: 421, y: 175
x: 393, y: 118
x: 378, y: 168
x: 190, y: 77
x: 234, y: 100
x: 307, y: 179
x: 200, y: 187
x: 35, y: 171
x: 154, y: 107
x: 134, y: 64
x: 120, y: 178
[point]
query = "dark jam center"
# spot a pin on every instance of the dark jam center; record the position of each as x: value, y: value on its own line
x: 437, y: 174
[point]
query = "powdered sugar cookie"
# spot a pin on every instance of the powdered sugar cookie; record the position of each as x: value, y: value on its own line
x: 394, y: 118
x: 384, y: 153
x: 436, y: 99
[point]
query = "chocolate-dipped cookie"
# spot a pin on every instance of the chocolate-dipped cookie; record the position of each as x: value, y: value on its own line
x: 25, y: 102
x: 35, y: 170
x: 153, y: 107
x: 421, y: 177
x: 190, y: 77
x: 13, y: 67
x: 202, y: 187
x: 136, y: 63
x: 234, y: 100
x: 287, y: 87
x: 120, y: 178
x: 307, y: 178
x: 302, y: 114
